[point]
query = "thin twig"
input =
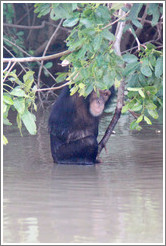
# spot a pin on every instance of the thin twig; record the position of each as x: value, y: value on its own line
x: 8, y: 65
x: 137, y: 40
x: 13, y: 56
x: 112, y: 23
x: 135, y: 47
x: 9, y: 71
x: 135, y: 115
x: 23, y: 51
x: 25, y: 27
x: 58, y: 87
x: 53, y: 88
x: 46, y: 48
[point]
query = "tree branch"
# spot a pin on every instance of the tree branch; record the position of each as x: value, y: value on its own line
x: 9, y: 71
x: 53, y: 88
x: 58, y: 87
x: 23, y: 51
x: 42, y: 58
x: 46, y: 48
x: 120, y: 96
x: 112, y: 23
x: 117, y: 114
x: 25, y: 27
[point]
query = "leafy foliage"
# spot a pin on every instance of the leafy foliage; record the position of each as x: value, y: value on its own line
x: 144, y: 81
x: 93, y: 60
x: 93, y: 63
x: 12, y: 34
x: 20, y: 98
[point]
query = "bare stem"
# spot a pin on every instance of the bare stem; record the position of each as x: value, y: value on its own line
x: 9, y: 71
x: 42, y: 58
x: 46, y: 48
x: 112, y: 23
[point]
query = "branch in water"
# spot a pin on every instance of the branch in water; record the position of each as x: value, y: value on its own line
x: 120, y: 96
x: 117, y: 114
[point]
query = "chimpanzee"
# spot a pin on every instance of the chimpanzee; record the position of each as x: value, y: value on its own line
x: 73, y: 126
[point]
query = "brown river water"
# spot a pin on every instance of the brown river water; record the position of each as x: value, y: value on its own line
x: 119, y: 200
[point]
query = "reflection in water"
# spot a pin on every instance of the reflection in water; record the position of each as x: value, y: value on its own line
x: 117, y: 201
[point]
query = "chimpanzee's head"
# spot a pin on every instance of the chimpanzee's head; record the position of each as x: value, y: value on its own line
x: 97, y: 102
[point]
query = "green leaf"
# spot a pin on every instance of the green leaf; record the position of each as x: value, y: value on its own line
x: 77, y: 44
x: 153, y: 113
x: 142, y: 78
x: 73, y: 90
x: 139, y: 119
x: 81, y: 53
x: 88, y: 89
x: 4, y: 107
x: 97, y: 42
x: 154, y: 11
x: 129, y: 58
x: 144, y: 61
x: 150, y: 90
x: 133, y: 89
x: 21, y: 33
x: 42, y: 9
x: 19, y: 104
x: 141, y: 93
x: 19, y: 122
x: 74, y: 6
x: 131, y: 68
x: 5, y: 141
x: 159, y: 67
x: 108, y: 35
x: 152, y: 60
x: 139, y: 90
x: 147, y: 120
x: 137, y: 23
x: 7, y: 99
x: 35, y: 107
x: 133, y: 125
x: 125, y: 108
x: 117, y: 83
x: 48, y: 65
x: 135, y: 11
x: 151, y: 105
x: 136, y: 107
x: 145, y: 70
x: 86, y: 22
x: 6, y: 122
x: 62, y: 10
x: 29, y: 122
x: 61, y: 77
x: 70, y: 22
x: 102, y: 12
x: 28, y: 80
x: 117, y: 6
x: 18, y: 92
x: 13, y: 77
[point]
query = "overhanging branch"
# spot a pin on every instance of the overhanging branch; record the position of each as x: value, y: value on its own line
x: 33, y: 59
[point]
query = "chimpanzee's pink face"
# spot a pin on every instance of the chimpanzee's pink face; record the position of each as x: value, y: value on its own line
x: 97, y: 103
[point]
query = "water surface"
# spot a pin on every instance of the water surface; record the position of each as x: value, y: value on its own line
x: 117, y: 201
